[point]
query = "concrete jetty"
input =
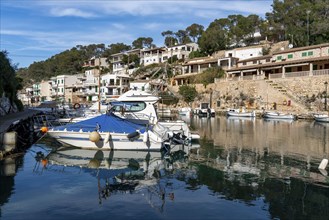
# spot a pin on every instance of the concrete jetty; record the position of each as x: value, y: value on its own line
x: 7, y: 122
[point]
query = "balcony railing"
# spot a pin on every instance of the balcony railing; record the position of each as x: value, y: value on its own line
x: 320, y: 72
x: 297, y: 74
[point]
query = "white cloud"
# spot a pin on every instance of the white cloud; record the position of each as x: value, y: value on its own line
x: 59, y: 12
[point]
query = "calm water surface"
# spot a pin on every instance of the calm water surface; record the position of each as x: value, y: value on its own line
x: 242, y: 169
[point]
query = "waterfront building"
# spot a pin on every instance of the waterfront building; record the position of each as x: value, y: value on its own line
x: 59, y: 84
x: 295, y: 62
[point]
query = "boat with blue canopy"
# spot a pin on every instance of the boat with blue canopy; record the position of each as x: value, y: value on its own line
x: 109, y: 132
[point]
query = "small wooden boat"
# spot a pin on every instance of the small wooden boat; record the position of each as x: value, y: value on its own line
x: 321, y: 118
x: 278, y: 115
x: 240, y: 113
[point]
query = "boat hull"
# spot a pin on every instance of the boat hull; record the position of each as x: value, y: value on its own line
x: 321, y: 118
x: 278, y: 116
x: 108, y: 141
x: 241, y: 114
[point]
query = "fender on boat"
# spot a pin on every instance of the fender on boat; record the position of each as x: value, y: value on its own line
x: 133, y: 135
x: 107, y: 137
x: 146, y: 137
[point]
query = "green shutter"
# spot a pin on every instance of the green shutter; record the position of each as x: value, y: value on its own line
x: 290, y: 56
x: 304, y: 54
x: 310, y: 53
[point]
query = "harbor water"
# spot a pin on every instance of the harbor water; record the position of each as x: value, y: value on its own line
x: 240, y: 169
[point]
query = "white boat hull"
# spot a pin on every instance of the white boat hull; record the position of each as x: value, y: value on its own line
x: 241, y: 114
x: 321, y: 118
x: 113, y: 141
x: 276, y: 115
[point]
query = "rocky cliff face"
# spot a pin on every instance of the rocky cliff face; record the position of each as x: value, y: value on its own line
x: 6, y: 107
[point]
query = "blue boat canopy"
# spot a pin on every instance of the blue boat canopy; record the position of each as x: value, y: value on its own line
x: 104, y: 123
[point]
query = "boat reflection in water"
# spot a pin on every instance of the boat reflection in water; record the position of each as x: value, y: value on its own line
x: 118, y: 171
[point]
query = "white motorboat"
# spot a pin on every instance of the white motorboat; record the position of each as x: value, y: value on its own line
x: 240, y: 113
x: 321, y: 117
x: 204, y: 110
x: 140, y: 107
x: 278, y: 115
x: 186, y: 111
x: 109, y: 132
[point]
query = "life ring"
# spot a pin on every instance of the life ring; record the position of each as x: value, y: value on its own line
x: 76, y: 106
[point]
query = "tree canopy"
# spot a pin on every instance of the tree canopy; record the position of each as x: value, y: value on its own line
x: 9, y: 83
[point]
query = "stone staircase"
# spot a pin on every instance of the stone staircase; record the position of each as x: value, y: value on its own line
x: 282, y: 92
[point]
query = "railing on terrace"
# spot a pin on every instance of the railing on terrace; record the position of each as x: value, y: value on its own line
x: 249, y: 77
x: 275, y: 76
x: 320, y: 72
x: 297, y: 74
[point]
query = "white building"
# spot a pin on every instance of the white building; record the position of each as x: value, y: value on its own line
x: 118, y: 65
x: 58, y: 85
x: 151, y: 56
x: 113, y: 85
x: 140, y: 85
x: 181, y: 51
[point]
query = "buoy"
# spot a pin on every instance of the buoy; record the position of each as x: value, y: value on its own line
x: 323, y: 164
x: 76, y: 106
x: 44, y: 129
x: 44, y: 162
x: 94, y: 136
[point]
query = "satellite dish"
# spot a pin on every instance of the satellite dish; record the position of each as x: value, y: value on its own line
x: 290, y: 46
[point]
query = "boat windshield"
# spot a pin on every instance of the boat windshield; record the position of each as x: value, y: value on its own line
x: 128, y: 106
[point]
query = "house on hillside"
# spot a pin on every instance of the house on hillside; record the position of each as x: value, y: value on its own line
x: 225, y: 59
x: 180, y: 51
x: 151, y: 56
x: 59, y: 85
x: 303, y: 61
x: 118, y: 66
x: 114, y: 85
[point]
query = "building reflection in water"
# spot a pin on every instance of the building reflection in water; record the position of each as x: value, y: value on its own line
x: 275, y: 161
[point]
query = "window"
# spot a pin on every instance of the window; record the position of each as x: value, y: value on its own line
x: 315, y: 67
x: 279, y: 57
x: 244, y: 63
x: 288, y: 69
x: 62, y: 89
x: 290, y: 56
x: 268, y: 60
x: 310, y: 53
x: 96, y: 88
x: 304, y: 54
x: 254, y: 62
x: 62, y: 81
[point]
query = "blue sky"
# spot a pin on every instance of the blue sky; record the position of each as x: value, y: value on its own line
x: 35, y: 30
